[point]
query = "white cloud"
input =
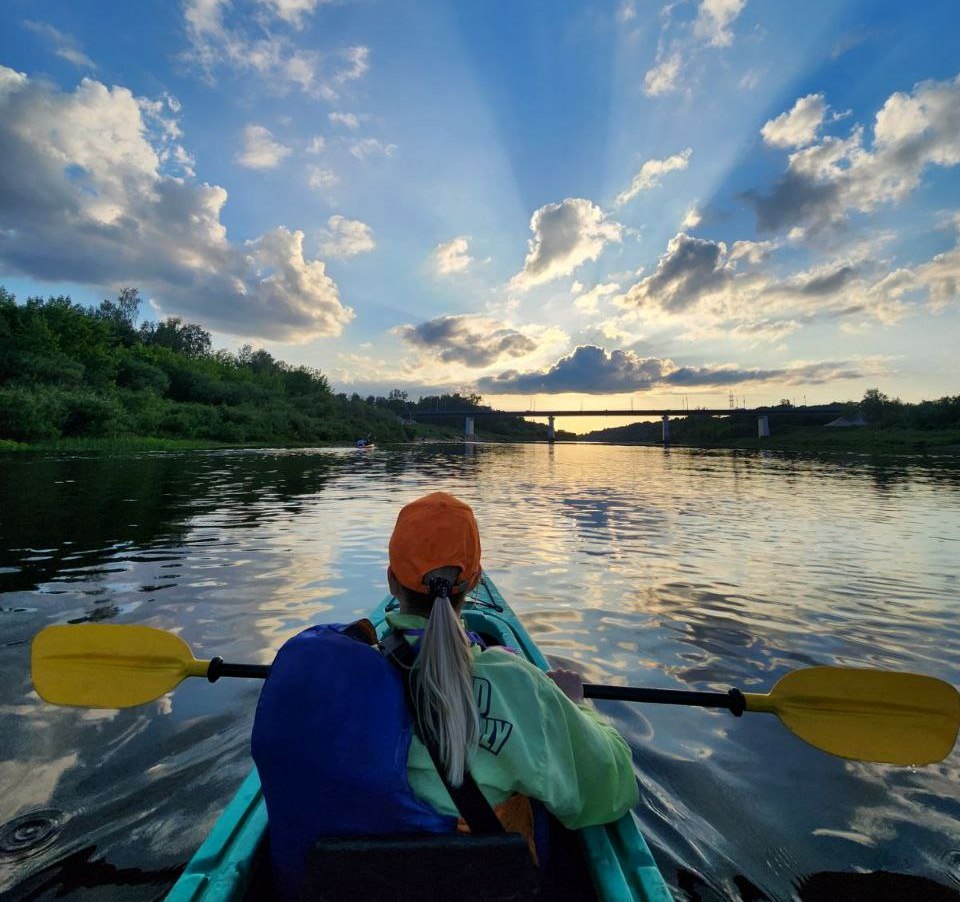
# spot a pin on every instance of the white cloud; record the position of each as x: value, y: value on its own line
x: 750, y: 79
x: 565, y: 235
x: 714, y: 18
x: 711, y: 28
x: 250, y: 45
x: 470, y: 340
x: 260, y: 150
x: 451, y: 257
x: 357, y: 65
x: 372, y: 147
x: 753, y: 252
x: 664, y: 77
x: 593, y: 370
x: 692, y: 218
x: 348, y: 120
x: 84, y: 198
x: 293, y: 12
x: 346, y: 237
x: 690, y: 270
x: 828, y: 179
x: 318, y: 177
x: 65, y: 45
x: 651, y: 173
x: 940, y: 278
x: 589, y: 301
x: 316, y: 145
x: 799, y: 126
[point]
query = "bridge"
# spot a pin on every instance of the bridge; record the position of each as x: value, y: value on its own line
x: 762, y: 414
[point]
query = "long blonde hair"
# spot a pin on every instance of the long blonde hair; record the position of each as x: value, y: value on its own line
x: 442, y: 679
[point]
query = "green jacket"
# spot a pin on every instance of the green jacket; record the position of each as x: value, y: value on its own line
x: 535, y: 741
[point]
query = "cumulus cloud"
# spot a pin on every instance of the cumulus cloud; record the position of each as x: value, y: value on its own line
x: 799, y: 126
x: 250, y: 45
x: 474, y: 341
x: 316, y: 145
x: 752, y: 251
x: 564, y: 236
x: 593, y: 370
x: 451, y: 257
x: 588, y: 301
x: 85, y: 197
x: 319, y: 178
x: 827, y: 180
x: 714, y: 18
x: 371, y: 147
x: 711, y: 28
x: 692, y: 218
x: 691, y: 269
x: 650, y: 174
x: 348, y: 120
x: 65, y: 45
x: 346, y: 237
x: 293, y: 12
x: 260, y: 150
x: 716, y: 293
x: 664, y: 77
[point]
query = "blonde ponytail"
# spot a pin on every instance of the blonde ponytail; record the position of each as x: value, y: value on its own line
x: 442, y: 684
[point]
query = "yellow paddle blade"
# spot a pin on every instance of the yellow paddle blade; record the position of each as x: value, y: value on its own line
x: 101, y: 665
x: 869, y: 715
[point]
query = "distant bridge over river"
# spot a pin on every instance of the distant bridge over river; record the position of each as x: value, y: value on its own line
x: 762, y: 414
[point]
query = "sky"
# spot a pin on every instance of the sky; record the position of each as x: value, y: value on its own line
x: 597, y: 204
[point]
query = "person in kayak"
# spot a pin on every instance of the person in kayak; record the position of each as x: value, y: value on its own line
x: 520, y: 733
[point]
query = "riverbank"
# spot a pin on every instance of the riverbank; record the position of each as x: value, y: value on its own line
x: 820, y: 440
x: 422, y: 433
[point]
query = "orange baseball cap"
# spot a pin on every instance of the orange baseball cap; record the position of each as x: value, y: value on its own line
x: 435, y: 531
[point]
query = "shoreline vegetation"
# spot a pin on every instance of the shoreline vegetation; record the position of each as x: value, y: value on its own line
x: 90, y: 379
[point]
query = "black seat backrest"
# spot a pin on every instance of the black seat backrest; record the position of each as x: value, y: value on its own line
x: 426, y: 868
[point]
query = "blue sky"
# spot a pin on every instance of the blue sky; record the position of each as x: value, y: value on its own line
x: 576, y: 203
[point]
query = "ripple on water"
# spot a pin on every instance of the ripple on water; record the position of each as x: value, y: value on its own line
x: 31, y: 832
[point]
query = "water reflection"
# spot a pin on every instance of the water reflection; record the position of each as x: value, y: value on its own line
x: 680, y: 569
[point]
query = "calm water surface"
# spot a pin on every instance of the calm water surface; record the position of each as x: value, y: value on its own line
x: 679, y: 569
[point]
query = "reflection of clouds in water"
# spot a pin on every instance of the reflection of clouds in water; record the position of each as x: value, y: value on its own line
x: 31, y: 783
x: 700, y: 569
x: 919, y: 800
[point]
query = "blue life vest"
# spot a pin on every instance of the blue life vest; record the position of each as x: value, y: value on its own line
x: 330, y: 741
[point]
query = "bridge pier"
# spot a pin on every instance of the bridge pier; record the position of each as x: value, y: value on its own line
x: 468, y: 427
x: 551, y: 431
x: 666, y: 429
x: 763, y: 426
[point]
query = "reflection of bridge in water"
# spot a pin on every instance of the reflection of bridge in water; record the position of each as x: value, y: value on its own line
x: 762, y: 414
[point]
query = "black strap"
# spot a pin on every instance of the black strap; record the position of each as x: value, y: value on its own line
x: 470, y: 801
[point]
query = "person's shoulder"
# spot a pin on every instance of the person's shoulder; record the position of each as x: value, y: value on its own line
x: 504, y: 660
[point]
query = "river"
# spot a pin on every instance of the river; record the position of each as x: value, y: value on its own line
x: 635, y: 565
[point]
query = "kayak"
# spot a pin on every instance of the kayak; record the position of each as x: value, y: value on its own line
x: 232, y: 863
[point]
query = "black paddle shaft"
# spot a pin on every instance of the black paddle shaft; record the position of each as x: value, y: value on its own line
x: 733, y: 700
x: 219, y: 669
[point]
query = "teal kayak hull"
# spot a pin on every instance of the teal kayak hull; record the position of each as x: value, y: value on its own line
x: 616, y: 854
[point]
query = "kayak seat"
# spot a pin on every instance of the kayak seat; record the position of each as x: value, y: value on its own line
x: 425, y: 868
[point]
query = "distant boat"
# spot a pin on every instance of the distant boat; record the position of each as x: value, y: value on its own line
x: 365, y: 443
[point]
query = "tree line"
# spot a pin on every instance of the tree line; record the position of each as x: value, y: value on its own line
x: 68, y: 370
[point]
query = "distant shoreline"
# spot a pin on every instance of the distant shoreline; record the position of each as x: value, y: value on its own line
x: 855, y: 440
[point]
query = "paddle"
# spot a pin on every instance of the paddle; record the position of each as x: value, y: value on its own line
x: 868, y: 715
